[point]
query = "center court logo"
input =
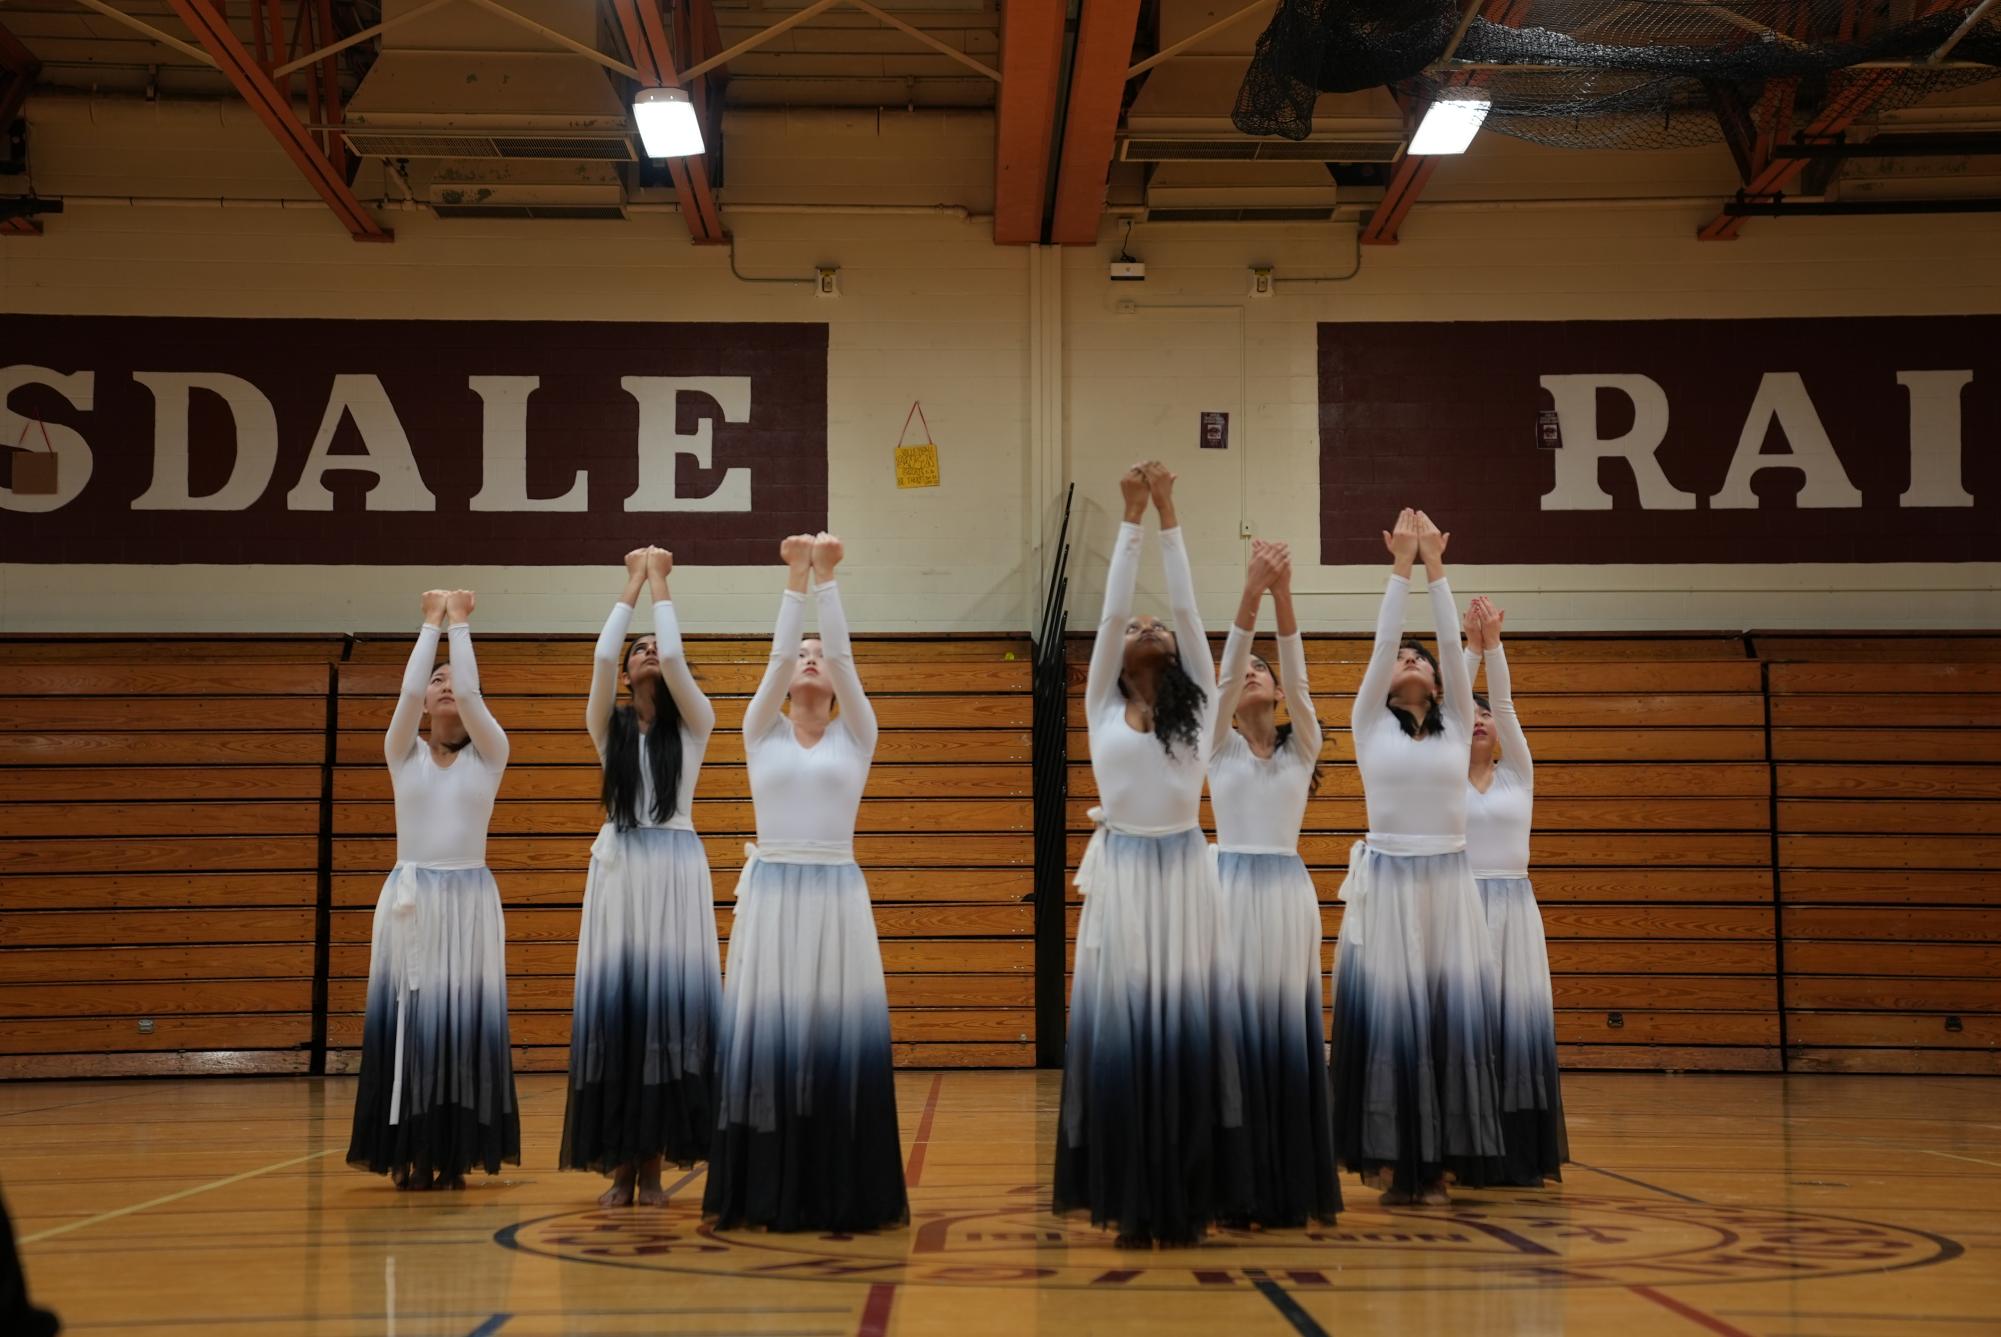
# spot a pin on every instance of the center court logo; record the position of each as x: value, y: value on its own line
x: 1518, y: 1240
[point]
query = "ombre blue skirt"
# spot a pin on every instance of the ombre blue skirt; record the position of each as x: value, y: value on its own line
x: 1151, y: 1139
x: 1525, y: 1034
x: 647, y: 1004
x: 806, y: 1135
x: 437, y: 1072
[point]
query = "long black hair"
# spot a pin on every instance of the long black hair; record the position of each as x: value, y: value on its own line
x: 1177, y: 707
x: 1284, y: 735
x: 622, y: 786
x: 1433, y: 722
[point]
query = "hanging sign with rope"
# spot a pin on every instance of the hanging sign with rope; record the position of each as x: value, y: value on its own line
x: 916, y: 465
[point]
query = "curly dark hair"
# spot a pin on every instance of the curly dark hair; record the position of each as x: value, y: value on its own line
x: 1285, y: 730
x: 622, y: 787
x: 1433, y: 723
x: 1177, y: 707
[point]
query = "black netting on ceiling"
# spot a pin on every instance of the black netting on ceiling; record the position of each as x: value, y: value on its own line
x: 1607, y: 73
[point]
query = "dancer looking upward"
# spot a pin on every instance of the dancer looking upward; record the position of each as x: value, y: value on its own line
x: 437, y: 1073
x: 649, y: 979
x: 1499, y: 807
x: 1152, y: 1107
x: 806, y: 1138
x: 1415, y: 1096
x: 1261, y: 773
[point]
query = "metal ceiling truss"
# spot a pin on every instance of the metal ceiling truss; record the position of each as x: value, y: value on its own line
x: 1412, y: 173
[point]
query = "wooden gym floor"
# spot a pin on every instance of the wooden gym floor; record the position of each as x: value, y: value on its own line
x: 1806, y: 1206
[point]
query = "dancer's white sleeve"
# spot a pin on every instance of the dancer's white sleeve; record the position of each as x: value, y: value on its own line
x: 1458, y: 702
x: 1189, y: 638
x: 764, y: 709
x: 1108, y: 651
x: 488, y: 738
x: 837, y: 652
x: 604, y: 675
x: 698, y: 717
x: 401, y: 739
x: 1230, y: 684
x: 1501, y: 696
x: 1298, y: 694
x: 1375, y: 688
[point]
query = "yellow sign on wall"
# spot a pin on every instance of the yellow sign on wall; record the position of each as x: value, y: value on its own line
x: 916, y: 465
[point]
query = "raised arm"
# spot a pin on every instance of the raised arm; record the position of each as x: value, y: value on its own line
x: 1260, y: 574
x: 763, y: 711
x: 402, y: 736
x: 488, y: 738
x: 837, y: 652
x: 1375, y: 688
x: 1190, y: 640
x: 1108, y: 651
x: 611, y: 644
x: 1292, y: 658
x: 1458, y: 702
x: 698, y: 717
x: 1515, y: 757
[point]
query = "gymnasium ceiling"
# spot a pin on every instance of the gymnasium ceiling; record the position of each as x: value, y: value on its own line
x: 1040, y: 113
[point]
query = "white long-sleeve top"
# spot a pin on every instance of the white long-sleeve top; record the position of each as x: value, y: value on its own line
x: 809, y: 793
x: 1498, y: 821
x: 1260, y: 802
x: 442, y: 812
x: 1140, y: 786
x: 698, y: 717
x: 1414, y: 787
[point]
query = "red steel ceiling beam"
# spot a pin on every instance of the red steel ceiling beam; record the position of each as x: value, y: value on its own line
x: 18, y: 68
x: 1097, y: 89
x: 272, y: 108
x: 1412, y: 173
x: 1031, y: 60
x: 646, y: 38
x: 1842, y: 110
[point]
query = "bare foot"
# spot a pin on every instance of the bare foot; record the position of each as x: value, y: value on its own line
x: 649, y: 1193
x: 452, y: 1181
x: 1435, y: 1196
x: 620, y: 1192
x: 1378, y: 1178
x: 409, y: 1179
x: 1395, y: 1197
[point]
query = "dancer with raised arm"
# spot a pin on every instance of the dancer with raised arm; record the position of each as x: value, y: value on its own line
x: 1150, y: 1137
x: 437, y: 1073
x: 1415, y: 1095
x: 1499, y: 810
x: 649, y: 979
x: 806, y: 1138
x: 1261, y: 773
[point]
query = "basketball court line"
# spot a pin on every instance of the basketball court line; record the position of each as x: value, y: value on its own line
x: 1952, y: 1156
x: 161, y: 1201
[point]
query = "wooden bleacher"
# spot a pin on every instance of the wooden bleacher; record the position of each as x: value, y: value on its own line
x: 1754, y: 853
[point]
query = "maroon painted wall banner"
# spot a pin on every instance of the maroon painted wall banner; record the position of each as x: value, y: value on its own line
x: 408, y: 441
x: 1799, y: 440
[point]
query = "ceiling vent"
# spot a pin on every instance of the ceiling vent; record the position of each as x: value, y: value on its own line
x: 1229, y: 192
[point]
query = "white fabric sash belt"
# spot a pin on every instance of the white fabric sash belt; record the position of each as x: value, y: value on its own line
x: 791, y: 851
x: 1253, y: 849
x: 1094, y: 852
x: 405, y: 926
x: 1355, y: 886
x: 1501, y: 874
x: 605, y: 849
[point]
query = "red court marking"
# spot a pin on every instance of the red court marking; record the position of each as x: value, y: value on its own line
x: 913, y: 1172
x: 875, y: 1312
x: 1693, y: 1315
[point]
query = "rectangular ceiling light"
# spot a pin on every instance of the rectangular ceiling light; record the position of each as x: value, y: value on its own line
x: 667, y: 124
x: 1449, y: 126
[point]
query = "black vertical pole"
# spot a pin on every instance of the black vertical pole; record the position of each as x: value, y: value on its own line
x: 1049, y: 753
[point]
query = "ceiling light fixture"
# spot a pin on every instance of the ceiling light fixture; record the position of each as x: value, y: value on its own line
x: 1449, y: 126
x: 667, y: 124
